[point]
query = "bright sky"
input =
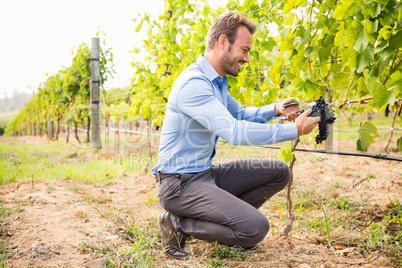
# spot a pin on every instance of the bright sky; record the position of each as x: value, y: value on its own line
x: 37, y: 37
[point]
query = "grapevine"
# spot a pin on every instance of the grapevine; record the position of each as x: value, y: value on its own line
x: 327, y: 117
x: 348, y: 49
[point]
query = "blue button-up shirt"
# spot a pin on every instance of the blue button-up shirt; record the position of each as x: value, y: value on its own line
x: 199, y: 111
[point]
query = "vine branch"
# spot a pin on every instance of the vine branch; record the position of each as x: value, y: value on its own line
x: 291, y: 216
x: 350, y: 86
x: 396, y: 112
x: 343, y: 112
x: 354, y: 101
x: 392, y: 68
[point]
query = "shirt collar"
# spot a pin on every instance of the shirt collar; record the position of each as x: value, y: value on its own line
x: 207, y: 68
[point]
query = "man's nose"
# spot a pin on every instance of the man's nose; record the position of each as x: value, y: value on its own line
x: 246, y: 58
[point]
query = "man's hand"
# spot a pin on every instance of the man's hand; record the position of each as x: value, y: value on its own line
x: 306, y: 124
x: 289, y: 112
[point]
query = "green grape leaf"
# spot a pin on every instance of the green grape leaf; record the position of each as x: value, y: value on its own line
x: 383, y: 2
x: 370, y: 27
x: 167, y: 6
x: 395, y: 81
x: 382, y: 97
x: 264, y: 87
x: 376, y: 11
x: 385, y: 54
x: 362, y: 88
x: 269, y: 94
x: 339, y: 37
x: 286, y: 153
x: 324, y: 68
x: 288, y: 21
x: 269, y: 44
x: 283, y: 31
x: 361, y: 42
x: 274, y: 73
x: 304, y: 35
x: 297, y: 81
x: 386, y: 19
x: 310, y: 52
x: 286, y: 45
x: 363, y: 59
x: 164, y: 16
x: 336, y: 67
x: 399, y: 143
x: 276, y: 79
x: 289, y: 5
x: 329, y: 40
x: 246, y: 95
x: 232, y: 81
x: 385, y: 32
x: 138, y: 28
x: 309, y: 87
x: 341, y: 9
x: 352, y: 32
x: 380, y: 45
x: 324, y: 52
x: 365, y: 136
x: 372, y: 84
x: 352, y: 58
x: 395, y: 42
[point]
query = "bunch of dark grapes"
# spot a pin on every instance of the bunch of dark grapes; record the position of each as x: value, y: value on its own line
x: 327, y: 117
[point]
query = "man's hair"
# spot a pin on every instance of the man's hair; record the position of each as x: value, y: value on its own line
x: 228, y: 24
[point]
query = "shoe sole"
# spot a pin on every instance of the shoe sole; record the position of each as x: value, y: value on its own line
x: 160, y: 220
x: 177, y: 258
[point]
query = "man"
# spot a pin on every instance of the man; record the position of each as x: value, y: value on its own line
x: 219, y: 203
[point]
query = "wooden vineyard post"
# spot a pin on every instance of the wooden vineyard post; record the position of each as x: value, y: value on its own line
x: 33, y: 131
x: 329, y: 143
x: 94, y: 89
x: 49, y: 128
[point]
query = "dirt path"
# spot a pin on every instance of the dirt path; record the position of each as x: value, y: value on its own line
x: 58, y: 218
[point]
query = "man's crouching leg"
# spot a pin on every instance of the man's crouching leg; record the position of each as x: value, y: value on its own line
x: 172, y: 240
x: 255, y: 232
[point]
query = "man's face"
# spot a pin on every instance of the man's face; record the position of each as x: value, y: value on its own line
x: 236, y: 54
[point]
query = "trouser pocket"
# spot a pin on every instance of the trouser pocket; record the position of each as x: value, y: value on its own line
x: 167, y: 190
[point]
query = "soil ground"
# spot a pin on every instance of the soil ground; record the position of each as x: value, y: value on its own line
x: 58, y: 218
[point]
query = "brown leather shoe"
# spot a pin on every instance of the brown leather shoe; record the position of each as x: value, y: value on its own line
x: 172, y: 241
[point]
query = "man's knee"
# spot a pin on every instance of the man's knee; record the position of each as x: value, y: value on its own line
x: 263, y: 227
x: 256, y: 231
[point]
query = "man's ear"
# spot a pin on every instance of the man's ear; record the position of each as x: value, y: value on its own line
x: 222, y: 41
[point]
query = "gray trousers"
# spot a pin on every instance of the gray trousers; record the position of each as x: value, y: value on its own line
x: 221, y: 203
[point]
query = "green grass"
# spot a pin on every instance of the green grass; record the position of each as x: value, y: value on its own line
x: 347, y: 203
x: 141, y: 252
x: 57, y: 160
x: 341, y: 221
x: 6, y: 251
